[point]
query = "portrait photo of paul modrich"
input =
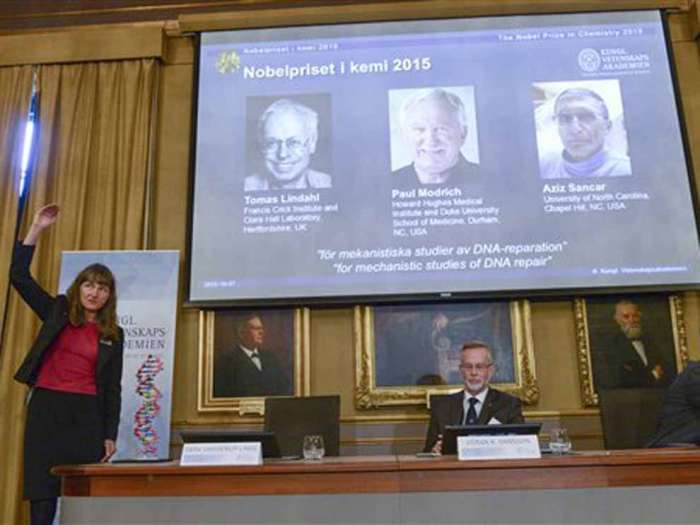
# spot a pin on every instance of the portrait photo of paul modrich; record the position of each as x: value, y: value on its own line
x: 289, y: 143
x: 433, y: 136
x: 581, y: 129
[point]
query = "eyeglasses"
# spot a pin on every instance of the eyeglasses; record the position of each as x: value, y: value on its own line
x: 479, y: 367
x: 585, y: 118
x: 292, y: 144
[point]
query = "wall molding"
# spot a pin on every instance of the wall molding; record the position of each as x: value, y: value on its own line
x: 86, y: 44
x: 365, y: 11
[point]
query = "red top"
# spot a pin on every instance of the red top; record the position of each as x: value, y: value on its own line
x: 69, y: 364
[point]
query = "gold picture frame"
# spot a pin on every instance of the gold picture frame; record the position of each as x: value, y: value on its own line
x: 469, y: 320
x: 290, y: 328
x: 595, y: 316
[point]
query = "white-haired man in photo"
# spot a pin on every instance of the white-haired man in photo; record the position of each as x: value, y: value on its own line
x: 287, y: 138
x: 434, y: 128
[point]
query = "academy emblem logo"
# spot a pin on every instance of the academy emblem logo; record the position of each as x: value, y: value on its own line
x: 228, y: 62
x: 589, y: 60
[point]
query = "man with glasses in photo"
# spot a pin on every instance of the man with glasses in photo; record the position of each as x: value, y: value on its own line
x: 287, y: 137
x: 478, y: 403
x: 583, y: 123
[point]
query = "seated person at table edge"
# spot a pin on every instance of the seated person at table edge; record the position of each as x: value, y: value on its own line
x: 680, y: 415
x: 478, y: 403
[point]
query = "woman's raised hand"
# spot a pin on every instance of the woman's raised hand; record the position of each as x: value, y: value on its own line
x: 46, y: 215
x: 43, y: 218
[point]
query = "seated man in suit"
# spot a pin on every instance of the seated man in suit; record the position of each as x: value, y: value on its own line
x: 680, y: 416
x: 247, y: 369
x: 477, y: 404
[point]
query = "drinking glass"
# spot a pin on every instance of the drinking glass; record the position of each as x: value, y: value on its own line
x: 559, y: 442
x: 313, y: 447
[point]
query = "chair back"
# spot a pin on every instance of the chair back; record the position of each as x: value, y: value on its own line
x: 292, y: 418
x: 630, y: 416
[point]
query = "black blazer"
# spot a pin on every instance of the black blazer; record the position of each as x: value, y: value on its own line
x: 53, y: 311
x: 449, y: 410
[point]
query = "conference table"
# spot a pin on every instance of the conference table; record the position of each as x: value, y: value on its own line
x: 631, y: 486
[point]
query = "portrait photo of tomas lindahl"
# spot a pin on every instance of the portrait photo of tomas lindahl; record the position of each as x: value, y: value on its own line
x: 580, y: 129
x: 288, y: 143
x: 433, y: 136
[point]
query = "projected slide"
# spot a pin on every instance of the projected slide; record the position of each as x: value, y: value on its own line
x: 439, y: 157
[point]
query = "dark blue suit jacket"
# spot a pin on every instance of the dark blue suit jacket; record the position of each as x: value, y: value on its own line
x: 449, y: 410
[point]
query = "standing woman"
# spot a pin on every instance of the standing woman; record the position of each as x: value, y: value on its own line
x: 74, y: 369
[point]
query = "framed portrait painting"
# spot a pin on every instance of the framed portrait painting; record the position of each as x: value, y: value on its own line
x: 634, y: 341
x: 405, y: 353
x: 248, y: 355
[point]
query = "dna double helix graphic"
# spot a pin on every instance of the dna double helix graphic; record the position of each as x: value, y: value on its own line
x: 149, y: 409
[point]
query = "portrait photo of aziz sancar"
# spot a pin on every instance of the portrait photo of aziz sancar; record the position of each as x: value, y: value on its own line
x: 580, y: 129
x: 290, y: 147
x: 433, y: 136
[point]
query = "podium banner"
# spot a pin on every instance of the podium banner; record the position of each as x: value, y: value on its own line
x: 146, y: 305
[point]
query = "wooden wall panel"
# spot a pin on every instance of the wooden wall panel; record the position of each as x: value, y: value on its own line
x: 23, y: 14
x: 83, y: 45
x: 687, y: 64
x: 362, y: 11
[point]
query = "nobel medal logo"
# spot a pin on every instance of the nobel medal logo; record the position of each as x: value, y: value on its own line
x: 228, y: 62
x: 589, y: 60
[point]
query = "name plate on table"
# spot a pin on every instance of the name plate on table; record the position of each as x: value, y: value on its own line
x: 201, y: 454
x: 498, y: 447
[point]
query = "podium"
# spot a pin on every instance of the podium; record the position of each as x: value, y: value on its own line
x: 630, y: 486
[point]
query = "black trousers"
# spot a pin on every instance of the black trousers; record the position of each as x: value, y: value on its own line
x: 43, y: 511
x: 62, y: 429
